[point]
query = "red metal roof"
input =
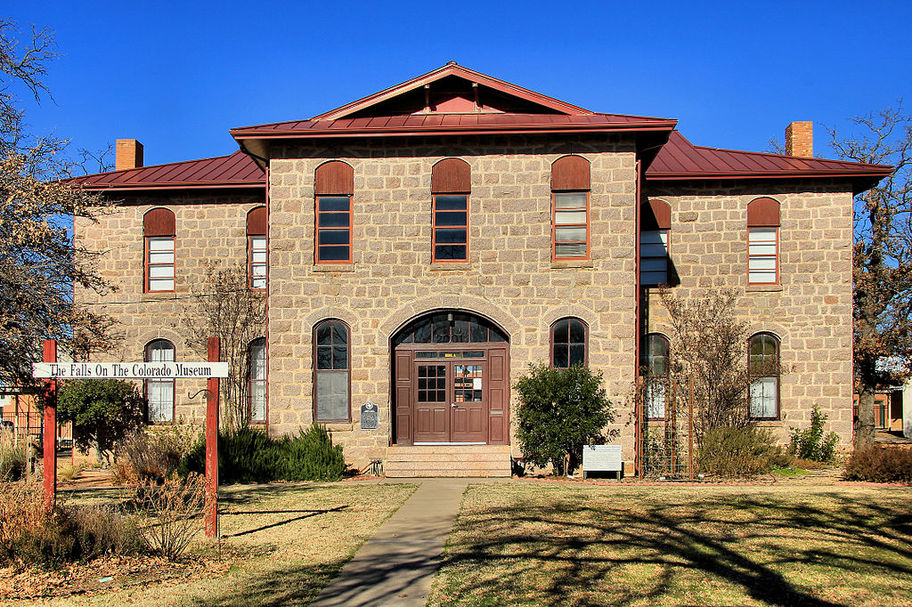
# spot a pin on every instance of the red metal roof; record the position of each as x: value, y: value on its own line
x: 435, y: 124
x: 237, y: 170
x: 679, y: 159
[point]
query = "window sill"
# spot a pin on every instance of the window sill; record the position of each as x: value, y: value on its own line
x: 763, y: 288
x: 569, y: 264
x: 334, y: 267
x: 337, y: 425
x: 446, y: 267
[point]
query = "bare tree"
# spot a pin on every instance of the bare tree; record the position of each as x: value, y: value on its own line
x: 225, y: 307
x: 882, y: 256
x: 709, y: 343
x: 39, y: 262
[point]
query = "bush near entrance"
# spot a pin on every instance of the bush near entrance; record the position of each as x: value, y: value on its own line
x: 560, y: 411
x: 249, y: 455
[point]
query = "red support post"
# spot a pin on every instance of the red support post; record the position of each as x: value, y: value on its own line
x: 50, y: 431
x: 212, y: 425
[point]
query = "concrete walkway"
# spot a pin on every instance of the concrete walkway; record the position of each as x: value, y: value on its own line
x: 397, y: 565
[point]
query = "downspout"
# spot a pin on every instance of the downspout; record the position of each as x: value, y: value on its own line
x: 268, y: 289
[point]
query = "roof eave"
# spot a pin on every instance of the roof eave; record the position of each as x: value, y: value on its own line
x: 519, y: 129
x: 862, y: 180
x: 173, y: 186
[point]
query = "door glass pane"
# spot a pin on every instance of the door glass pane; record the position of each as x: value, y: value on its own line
x: 431, y: 383
x: 468, y: 383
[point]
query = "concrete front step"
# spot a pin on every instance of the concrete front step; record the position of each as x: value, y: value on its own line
x: 405, y: 461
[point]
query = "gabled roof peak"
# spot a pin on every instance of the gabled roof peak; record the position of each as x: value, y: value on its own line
x: 472, y: 91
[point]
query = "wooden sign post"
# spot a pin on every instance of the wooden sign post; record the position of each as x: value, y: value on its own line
x: 212, y: 425
x: 50, y: 431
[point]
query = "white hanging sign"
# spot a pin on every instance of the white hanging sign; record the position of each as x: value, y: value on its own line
x: 139, y: 370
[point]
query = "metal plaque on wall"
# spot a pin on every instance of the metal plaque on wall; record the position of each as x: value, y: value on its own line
x: 370, y: 416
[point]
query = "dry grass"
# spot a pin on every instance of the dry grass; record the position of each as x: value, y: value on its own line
x: 533, y: 543
x: 281, y: 545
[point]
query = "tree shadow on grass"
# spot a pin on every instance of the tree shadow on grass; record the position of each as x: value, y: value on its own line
x: 580, y: 551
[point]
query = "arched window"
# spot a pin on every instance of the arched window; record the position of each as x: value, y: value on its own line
x: 570, y: 208
x: 655, y: 364
x: 158, y: 233
x: 256, y: 248
x: 334, y: 186
x: 763, y: 365
x: 451, y: 183
x: 332, y: 371
x: 569, y: 343
x: 449, y: 327
x: 655, y: 228
x: 763, y: 241
x: 160, y: 392
x: 256, y: 380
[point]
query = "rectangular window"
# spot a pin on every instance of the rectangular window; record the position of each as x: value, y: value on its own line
x: 334, y: 228
x: 332, y: 395
x: 258, y: 381
x: 763, y: 395
x: 571, y: 225
x: 257, y: 262
x: 762, y: 255
x: 159, y: 263
x: 654, y: 257
x: 451, y: 227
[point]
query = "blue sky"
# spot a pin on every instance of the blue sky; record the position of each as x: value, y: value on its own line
x: 177, y: 76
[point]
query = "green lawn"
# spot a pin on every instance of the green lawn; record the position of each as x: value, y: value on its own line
x: 541, y: 543
x: 282, y: 545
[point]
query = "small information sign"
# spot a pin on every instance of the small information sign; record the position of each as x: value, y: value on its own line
x: 370, y: 416
x: 602, y: 458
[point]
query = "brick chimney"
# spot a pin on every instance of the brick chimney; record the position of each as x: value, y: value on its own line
x: 799, y: 139
x: 129, y: 154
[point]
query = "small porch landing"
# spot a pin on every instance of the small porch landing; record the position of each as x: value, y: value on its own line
x: 447, y: 460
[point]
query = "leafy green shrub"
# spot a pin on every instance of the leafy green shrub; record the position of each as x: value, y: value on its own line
x: 561, y: 410
x: 880, y: 465
x: 738, y: 451
x: 811, y: 443
x: 310, y: 456
x: 13, y: 457
x: 103, y: 411
x: 248, y: 455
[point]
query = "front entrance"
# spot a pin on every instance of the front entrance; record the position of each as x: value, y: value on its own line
x: 449, y: 400
x: 451, y: 381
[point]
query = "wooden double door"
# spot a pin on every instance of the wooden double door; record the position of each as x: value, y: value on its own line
x: 451, y: 395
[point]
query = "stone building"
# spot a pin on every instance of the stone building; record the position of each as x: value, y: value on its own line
x: 419, y: 247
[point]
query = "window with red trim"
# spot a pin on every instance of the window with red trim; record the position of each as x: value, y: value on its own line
x: 570, y: 208
x: 334, y: 188
x: 256, y: 248
x: 159, y: 392
x: 256, y: 386
x: 332, y: 371
x: 763, y: 366
x: 569, y: 343
x: 763, y: 242
x: 654, y: 237
x: 451, y: 183
x: 158, y: 234
x: 655, y: 364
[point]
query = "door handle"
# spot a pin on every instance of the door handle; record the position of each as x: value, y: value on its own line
x: 453, y: 405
